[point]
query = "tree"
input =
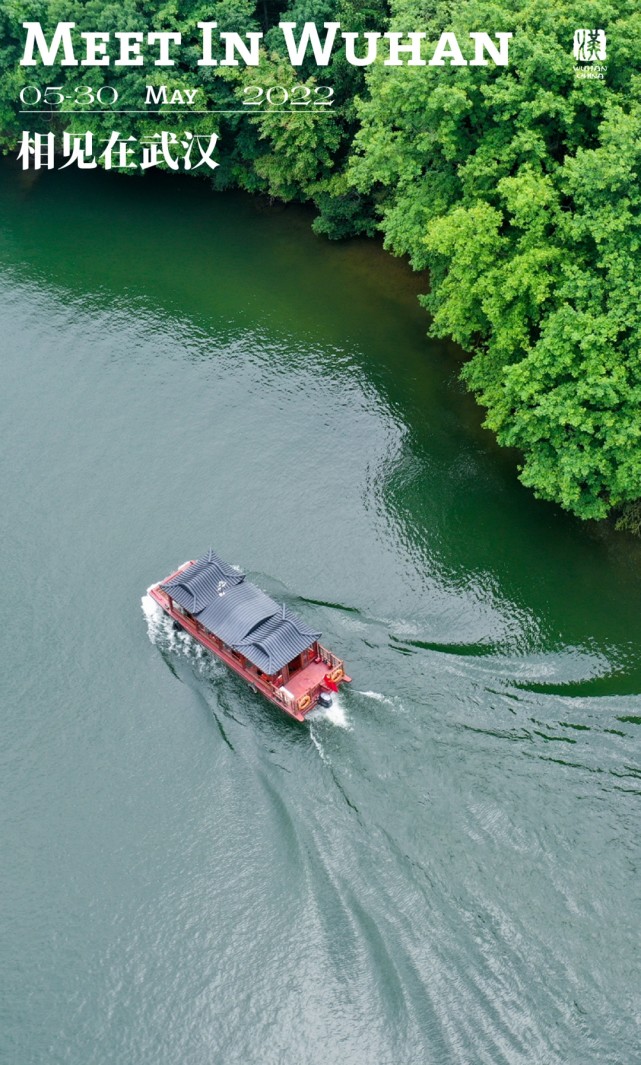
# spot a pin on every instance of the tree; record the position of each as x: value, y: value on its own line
x: 517, y: 187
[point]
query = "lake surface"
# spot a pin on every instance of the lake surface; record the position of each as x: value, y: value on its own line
x: 446, y: 869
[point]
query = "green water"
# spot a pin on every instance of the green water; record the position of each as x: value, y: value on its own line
x: 445, y: 871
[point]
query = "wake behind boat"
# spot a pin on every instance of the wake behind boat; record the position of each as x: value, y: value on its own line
x: 265, y: 642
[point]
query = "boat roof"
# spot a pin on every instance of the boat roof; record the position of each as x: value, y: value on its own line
x: 267, y: 633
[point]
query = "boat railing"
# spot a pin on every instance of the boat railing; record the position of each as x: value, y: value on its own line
x: 315, y: 693
x: 328, y: 658
x: 286, y: 698
x: 291, y: 703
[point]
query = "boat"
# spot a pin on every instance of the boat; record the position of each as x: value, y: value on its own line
x: 264, y: 642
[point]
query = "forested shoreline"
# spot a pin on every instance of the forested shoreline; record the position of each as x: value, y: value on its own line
x: 515, y: 187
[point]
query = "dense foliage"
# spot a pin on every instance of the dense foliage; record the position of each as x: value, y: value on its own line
x: 517, y: 188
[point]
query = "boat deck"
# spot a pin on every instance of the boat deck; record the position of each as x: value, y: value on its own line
x: 305, y: 679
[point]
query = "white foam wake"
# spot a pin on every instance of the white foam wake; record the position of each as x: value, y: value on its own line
x: 335, y: 714
x: 393, y: 701
x: 317, y: 743
x: 163, y: 633
x: 154, y: 615
x: 167, y: 637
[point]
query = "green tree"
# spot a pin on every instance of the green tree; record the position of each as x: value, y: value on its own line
x: 517, y: 187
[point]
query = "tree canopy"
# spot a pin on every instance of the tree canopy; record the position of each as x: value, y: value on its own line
x: 518, y: 189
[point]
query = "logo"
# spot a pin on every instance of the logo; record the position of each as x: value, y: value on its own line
x: 589, y: 46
